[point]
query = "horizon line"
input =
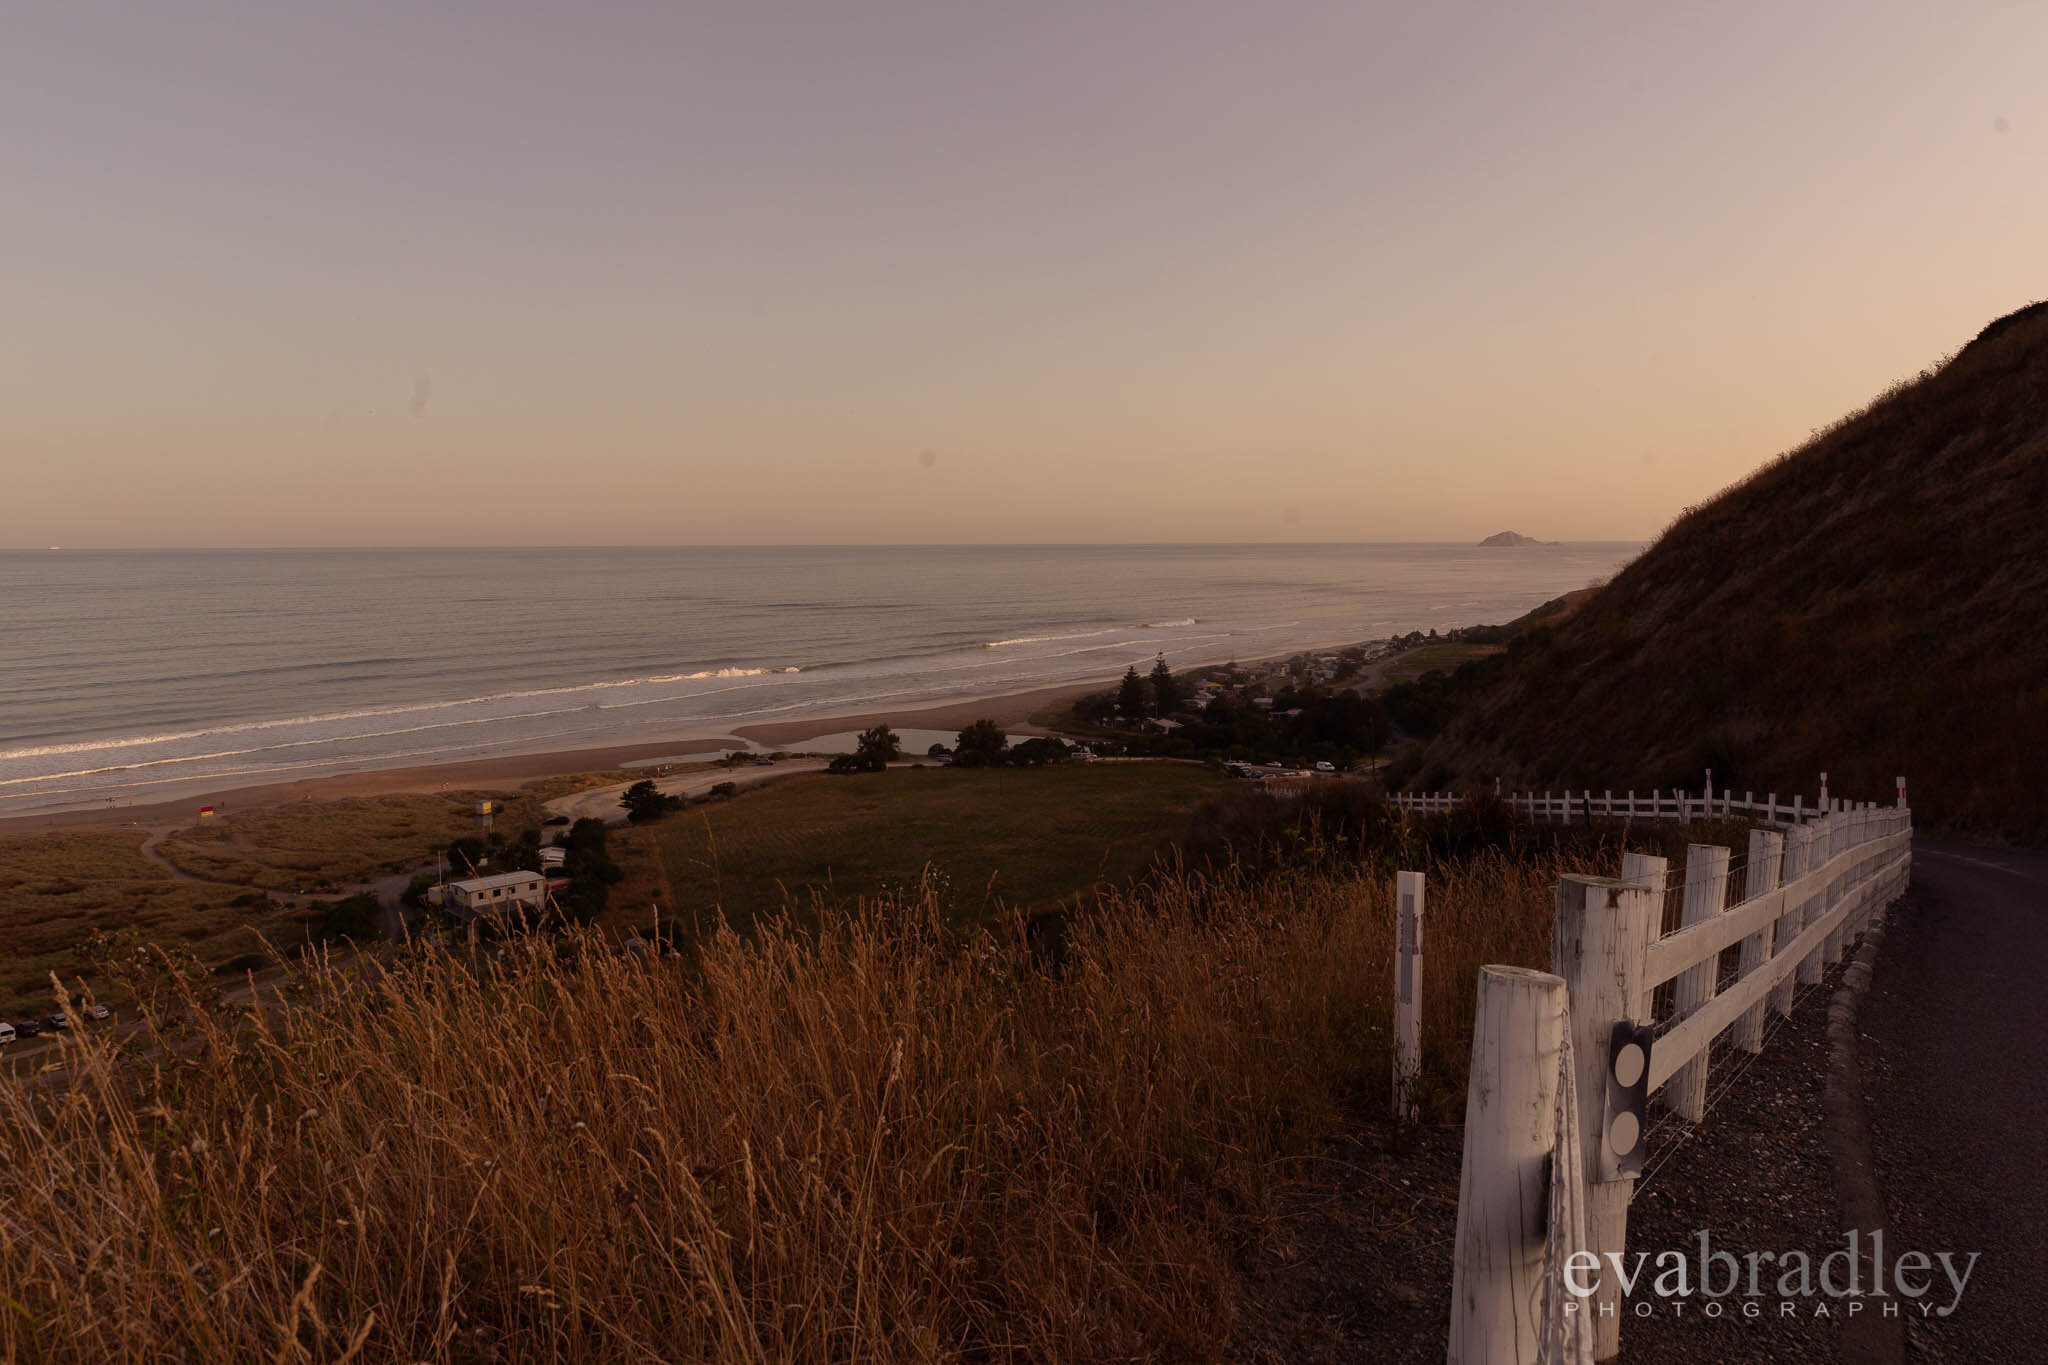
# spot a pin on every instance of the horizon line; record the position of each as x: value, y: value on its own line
x: 789, y: 545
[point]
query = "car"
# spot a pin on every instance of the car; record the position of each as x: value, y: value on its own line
x: 1326, y: 767
x: 56, y: 1023
x: 29, y: 1028
x: 94, y: 1010
x: 554, y: 820
x: 6, y: 1033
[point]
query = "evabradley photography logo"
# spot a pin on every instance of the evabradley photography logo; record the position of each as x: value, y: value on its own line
x: 1860, y: 1276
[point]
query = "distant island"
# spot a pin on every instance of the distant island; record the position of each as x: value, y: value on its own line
x: 1514, y: 540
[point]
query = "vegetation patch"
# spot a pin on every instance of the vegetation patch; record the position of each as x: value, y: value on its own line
x: 321, y: 845
x: 59, y: 888
x: 880, y: 1137
x: 1020, y: 837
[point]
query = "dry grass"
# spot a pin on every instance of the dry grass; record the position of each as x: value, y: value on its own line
x: 60, y: 887
x: 890, y: 1139
x: 320, y: 844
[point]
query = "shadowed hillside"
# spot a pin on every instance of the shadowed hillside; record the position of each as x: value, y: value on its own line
x: 1874, y: 603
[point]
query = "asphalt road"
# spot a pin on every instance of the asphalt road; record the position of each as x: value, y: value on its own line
x: 1956, y: 1074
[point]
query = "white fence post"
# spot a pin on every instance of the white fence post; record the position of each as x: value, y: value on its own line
x: 1602, y: 950
x: 1706, y: 895
x: 1599, y: 946
x: 1809, y: 969
x: 1510, y: 1129
x: 1838, y: 842
x: 1766, y: 849
x: 1408, y: 888
x: 1797, y: 840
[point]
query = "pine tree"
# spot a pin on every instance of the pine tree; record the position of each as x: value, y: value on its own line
x: 1165, y: 688
x: 1133, y: 701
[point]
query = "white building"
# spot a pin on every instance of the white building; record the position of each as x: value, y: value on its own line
x: 482, y: 895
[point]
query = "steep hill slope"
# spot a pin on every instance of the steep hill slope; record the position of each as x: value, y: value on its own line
x: 1874, y: 603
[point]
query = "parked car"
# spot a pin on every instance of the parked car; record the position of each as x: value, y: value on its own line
x: 56, y: 1023
x: 95, y: 1010
x: 6, y: 1033
x: 1326, y: 767
x: 554, y: 820
x: 29, y: 1028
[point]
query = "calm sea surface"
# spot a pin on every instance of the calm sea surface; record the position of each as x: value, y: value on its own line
x: 147, y: 674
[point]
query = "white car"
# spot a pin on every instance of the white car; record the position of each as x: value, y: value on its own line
x: 95, y: 1010
x: 6, y: 1033
x: 1326, y: 767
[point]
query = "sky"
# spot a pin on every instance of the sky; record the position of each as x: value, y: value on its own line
x: 816, y: 271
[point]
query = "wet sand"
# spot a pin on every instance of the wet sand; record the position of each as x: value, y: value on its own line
x: 509, y: 771
x: 480, y: 774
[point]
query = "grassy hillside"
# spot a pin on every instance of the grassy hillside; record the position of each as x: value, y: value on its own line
x: 885, y: 1141
x: 1020, y: 837
x: 1873, y: 604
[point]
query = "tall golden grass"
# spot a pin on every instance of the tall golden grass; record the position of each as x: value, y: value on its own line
x: 881, y: 1139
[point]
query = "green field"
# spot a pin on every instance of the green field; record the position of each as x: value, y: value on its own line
x: 1024, y: 837
x: 1409, y: 666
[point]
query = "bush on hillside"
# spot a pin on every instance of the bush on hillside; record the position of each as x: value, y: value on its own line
x: 643, y: 801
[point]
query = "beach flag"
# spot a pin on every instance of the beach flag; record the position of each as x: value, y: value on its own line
x: 206, y: 812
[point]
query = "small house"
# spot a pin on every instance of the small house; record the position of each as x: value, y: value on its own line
x: 484, y: 895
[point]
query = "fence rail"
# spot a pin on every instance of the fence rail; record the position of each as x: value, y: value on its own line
x: 1804, y: 893
x: 1567, y: 807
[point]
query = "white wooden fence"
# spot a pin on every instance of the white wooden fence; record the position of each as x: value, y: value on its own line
x: 1677, y: 804
x: 1555, y: 1103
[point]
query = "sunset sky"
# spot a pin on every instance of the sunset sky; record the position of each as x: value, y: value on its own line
x: 768, y: 272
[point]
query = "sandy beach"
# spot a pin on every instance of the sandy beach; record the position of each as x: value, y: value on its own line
x: 1012, y: 712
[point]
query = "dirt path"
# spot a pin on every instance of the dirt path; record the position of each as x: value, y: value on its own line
x: 149, y: 851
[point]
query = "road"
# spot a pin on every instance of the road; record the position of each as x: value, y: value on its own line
x: 1957, y: 1079
x: 603, y: 802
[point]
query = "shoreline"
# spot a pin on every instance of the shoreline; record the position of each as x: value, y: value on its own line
x: 504, y: 772
x: 507, y: 771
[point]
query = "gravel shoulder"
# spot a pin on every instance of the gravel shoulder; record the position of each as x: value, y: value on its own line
x: 1362, y: 1270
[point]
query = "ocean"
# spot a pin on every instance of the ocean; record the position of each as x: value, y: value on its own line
x: 145, y: 675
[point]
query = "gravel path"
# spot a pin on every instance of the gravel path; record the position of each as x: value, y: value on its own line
x: 1957, y: 1083
x: 603, y: 802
